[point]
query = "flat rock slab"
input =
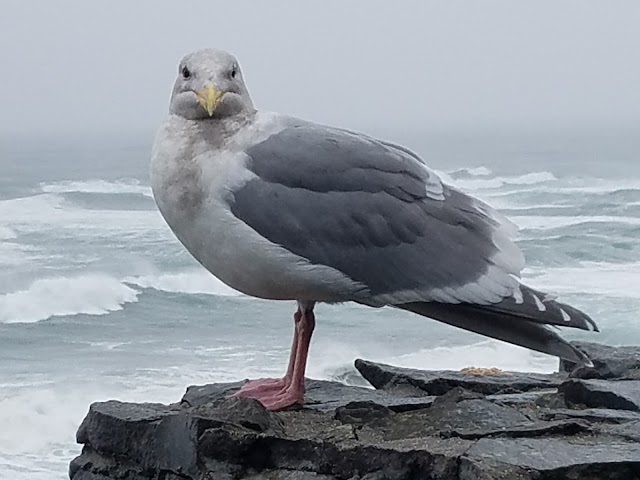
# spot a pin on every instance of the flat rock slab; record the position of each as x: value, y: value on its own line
x: 320, y: 395
x: 523, y: 398
x: 433, y: 382
x: 629, y: 431
x: 622, y: 394
x: 608, y: 362
x: 594, y: 415
x: 585, y: 458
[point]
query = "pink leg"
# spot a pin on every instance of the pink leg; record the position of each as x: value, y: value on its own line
x: 265, y: 386
x: 293, y: 392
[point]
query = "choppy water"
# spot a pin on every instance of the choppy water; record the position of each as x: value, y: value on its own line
x: 98, y: 300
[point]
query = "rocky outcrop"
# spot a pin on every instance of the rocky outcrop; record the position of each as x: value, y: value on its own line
x: 416, y: 425
x: 624, y: 395
x: 621, y: 363
x: 438, y: 382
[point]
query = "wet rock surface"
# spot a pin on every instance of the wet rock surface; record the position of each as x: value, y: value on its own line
x: 609, y: 362
x: 417, y: 425
x: 439, y: 382
x: 623, y: 394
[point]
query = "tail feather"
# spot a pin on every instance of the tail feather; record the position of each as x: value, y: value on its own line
x: 539, y: 307
x: 516, y: 322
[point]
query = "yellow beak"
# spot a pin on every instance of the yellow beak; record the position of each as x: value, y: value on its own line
x: 209, y: 98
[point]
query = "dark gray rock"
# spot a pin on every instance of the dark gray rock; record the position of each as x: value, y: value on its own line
x: 456, y: 413
x: 90, y: 476
x: 320, y: 395
x: 360, y: 413
x: 593, y: 415
x: 608, y: 362
x: 509, y: 426
x: 163, y: 438
x: 622, y: 394
x: 197, y: 395
x: 387, y: 377
x: 462, y: 414
x: 235, y: 439
x: 523, y: 398
x: 289, y: 475
x: 586, y: 457
x: 629, y: 430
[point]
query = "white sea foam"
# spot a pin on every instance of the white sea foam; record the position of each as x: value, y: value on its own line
x: 485, y: 354
x: 330, y: 356
x: 51, y: 211
x: 27, y: 422
x: 590, y: 278
x: 532, y: 222
x: 193, y: 281
x: 479, y: 171
x: 504, y: 204
x: 38, y: 425
x: 330, y: 360
x: 108, y: 345
x: 36, y: 432
x: 599, y: 186
x: 7, y: 234
x: 592, y: 186
x: 93, y: 294
x: 126, y: 185
x: 18, y: 207
x: 542, y: 182
x: 498, y: 182
x: 13, y: 254
x: 474, y: 172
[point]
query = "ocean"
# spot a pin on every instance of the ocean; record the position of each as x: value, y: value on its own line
x: 99, y: 301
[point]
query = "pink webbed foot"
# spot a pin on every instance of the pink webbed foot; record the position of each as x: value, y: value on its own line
x: 258, y: 388
x: 283, y: 399
x: 272, y: 397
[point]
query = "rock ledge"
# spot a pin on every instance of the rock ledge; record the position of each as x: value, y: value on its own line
x: 415, y: 425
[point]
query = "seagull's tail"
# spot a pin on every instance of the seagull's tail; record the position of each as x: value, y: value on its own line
x: 522, y: 321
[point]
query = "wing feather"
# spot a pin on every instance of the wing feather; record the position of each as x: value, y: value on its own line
x: 375, y: 212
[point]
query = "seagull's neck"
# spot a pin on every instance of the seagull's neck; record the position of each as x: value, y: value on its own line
x: 218, y: 131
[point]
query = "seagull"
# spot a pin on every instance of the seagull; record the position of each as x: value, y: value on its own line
x: 281, y: 208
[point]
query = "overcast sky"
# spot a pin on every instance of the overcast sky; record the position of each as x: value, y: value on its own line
x: 79, y: 65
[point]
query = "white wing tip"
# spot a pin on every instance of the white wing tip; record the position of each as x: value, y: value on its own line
x: 541, y: 306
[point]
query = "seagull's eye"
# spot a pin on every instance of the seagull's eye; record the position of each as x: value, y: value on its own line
x: 233, y: 72
x: 185, y: 72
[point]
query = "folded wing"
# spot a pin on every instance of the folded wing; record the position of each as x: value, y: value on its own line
x: 376, y: 213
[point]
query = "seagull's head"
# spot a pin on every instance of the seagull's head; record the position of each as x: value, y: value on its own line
x: 210, y: 85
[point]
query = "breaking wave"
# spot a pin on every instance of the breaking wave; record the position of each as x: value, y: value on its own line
x: 92, y: 294
x: 193, y: 281
x: 471, y: 172
x: 125, y: 185
x: 52, y: 211
x: 475, y: 183
x: 99, y: 294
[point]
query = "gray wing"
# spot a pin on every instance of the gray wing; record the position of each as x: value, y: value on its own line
x: 375, y: 212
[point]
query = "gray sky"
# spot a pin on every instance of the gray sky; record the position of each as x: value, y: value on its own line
x: 78, y: 65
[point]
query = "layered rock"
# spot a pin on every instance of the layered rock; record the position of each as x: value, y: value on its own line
x: 415, y: 425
